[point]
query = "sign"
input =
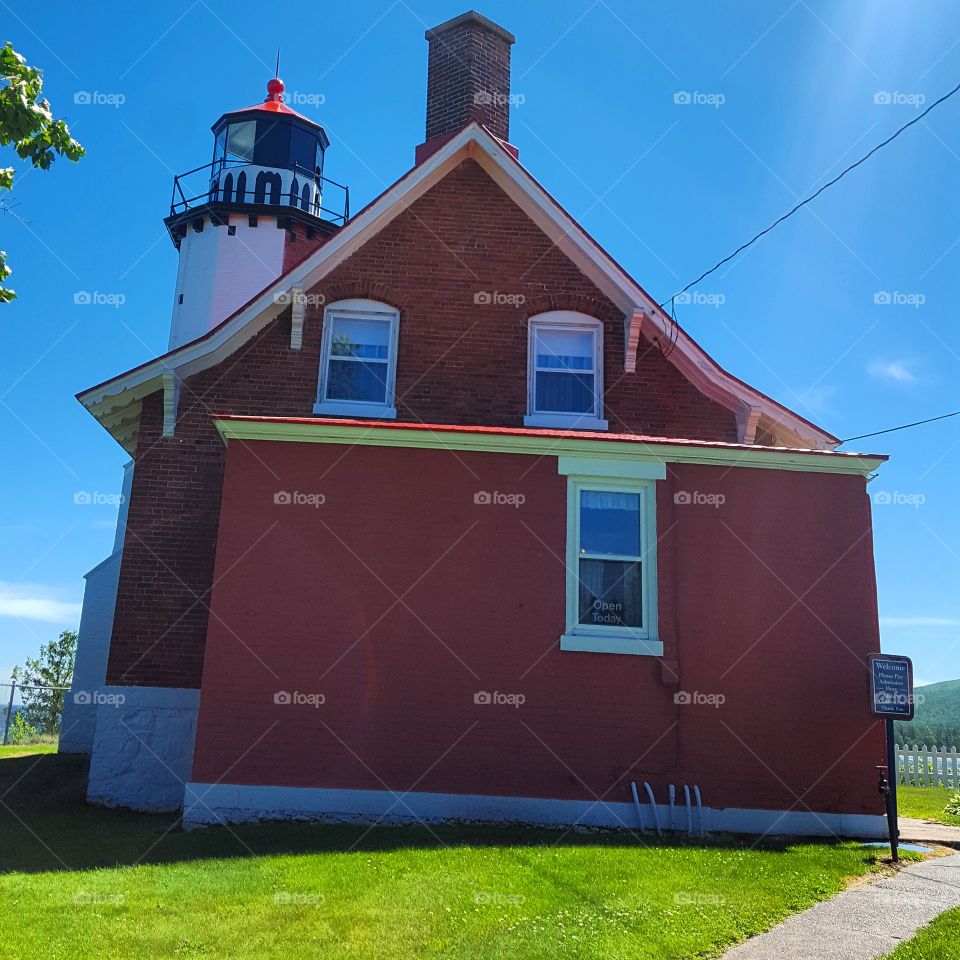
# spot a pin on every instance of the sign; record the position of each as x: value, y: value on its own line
x: 891, y: 686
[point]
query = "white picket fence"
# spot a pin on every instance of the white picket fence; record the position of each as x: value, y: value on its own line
x: 928, y: 767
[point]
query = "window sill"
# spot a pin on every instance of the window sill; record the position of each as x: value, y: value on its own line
x: 584, y: 643
x: 337, y: 408
x: 559, y: 421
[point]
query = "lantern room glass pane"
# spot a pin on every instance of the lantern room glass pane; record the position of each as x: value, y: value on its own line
x: 241, y: 138
x: 303, y: 150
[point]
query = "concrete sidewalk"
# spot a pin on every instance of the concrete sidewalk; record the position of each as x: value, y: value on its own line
x: 865, y: 922
x: 913, y: 831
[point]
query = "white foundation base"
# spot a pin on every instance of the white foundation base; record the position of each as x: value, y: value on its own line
x: 225, y: 803
x: 142, y: 747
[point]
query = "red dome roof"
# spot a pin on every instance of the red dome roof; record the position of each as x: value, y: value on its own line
x: 274, y: 102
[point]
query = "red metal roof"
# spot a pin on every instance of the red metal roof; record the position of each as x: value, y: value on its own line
x: 537, y: 432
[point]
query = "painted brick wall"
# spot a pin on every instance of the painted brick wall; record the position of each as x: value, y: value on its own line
x: 468, y: 78
x: 399, y: 598
x: 459, y: 362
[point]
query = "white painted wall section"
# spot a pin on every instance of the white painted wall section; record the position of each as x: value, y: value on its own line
x: 143, y: 747
x: 207, y: 803
x: 218, y: 273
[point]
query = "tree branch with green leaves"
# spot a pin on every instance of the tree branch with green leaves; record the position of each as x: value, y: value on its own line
x: 27, y: 124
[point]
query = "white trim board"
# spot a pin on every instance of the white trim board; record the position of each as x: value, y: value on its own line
x: 211, y: 803
x: 560, y: 445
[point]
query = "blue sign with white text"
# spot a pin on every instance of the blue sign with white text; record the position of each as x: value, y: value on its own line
x: 891, y: 686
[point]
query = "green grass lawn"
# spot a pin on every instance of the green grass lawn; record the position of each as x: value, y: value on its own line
x: 26, y: 749
x: 939, y: 941
x: 925, y: 803
x: 82, y: 881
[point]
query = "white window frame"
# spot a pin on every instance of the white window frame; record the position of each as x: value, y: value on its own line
x: 359, y: 310
x: 604, y: 638
x: 565, y: 320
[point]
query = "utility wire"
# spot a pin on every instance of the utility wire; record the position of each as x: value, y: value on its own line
x: 814, y: 196
x: 905, y: 426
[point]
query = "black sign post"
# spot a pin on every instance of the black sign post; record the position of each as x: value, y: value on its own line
x: 891, y: 697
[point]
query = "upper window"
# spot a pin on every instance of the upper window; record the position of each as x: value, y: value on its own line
x: 359, y: 359
x: 611, y: 567
x: 565, y: 371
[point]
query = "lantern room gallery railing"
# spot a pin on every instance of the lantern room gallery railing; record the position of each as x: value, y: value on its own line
x: 204, y: 185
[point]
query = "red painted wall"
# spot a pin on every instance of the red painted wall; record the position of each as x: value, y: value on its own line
x: 458, y: 362
x: 399, y: 598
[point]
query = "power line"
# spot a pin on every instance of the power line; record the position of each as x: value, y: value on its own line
x: 813, y: 196
x: 905, y: 426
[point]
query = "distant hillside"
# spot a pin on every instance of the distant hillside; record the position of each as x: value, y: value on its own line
x: 937, y: 718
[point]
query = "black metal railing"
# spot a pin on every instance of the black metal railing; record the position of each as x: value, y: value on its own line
x: 187, y: 192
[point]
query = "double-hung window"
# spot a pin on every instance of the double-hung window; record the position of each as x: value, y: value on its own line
x: 565, y: 371
x: 358, y: 360
x: 611, y: 566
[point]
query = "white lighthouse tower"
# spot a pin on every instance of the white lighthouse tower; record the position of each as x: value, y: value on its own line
x: 233, y: 218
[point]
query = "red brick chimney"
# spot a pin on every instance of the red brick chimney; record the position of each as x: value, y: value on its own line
x: 468, y: 78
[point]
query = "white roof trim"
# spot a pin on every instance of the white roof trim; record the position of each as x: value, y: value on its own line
x: 570, y: 238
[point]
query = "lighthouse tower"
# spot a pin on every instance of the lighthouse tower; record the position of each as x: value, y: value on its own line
x: 234, y: 218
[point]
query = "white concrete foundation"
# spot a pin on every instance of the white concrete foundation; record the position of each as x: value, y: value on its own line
x: 142, y: 747
x: 226, y: 803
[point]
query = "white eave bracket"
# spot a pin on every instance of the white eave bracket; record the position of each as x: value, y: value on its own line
x: 171, y: 401
x: 747, y: 419
x: 298, y: 306
x: 632, y: 325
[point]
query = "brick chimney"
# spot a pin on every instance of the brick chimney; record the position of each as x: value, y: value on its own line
x: 468, y: 78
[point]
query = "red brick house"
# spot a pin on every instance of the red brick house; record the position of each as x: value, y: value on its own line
x: 434, y: 513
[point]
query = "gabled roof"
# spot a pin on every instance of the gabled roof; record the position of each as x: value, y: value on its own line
x: 115, y: 403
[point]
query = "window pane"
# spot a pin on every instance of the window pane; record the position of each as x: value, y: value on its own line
x: 564, y: 393
x: 610, y: 523
x: 369, y: 339
x: 611, y: 593
x: 357, y: 380
x: 564, y: 349
x: 240, y: 140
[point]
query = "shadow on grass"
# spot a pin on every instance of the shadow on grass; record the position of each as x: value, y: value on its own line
x: 46, y: 825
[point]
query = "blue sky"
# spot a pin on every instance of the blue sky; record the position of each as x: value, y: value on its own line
x: 847, y: 312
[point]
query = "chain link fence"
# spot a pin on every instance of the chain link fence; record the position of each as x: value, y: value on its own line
x: 30, y: 714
